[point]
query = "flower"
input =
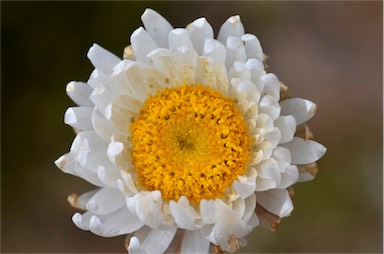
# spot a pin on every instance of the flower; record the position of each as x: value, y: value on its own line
x: 190, y: 141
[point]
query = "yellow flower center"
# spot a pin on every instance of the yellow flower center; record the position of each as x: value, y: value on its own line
x: 191, y: 141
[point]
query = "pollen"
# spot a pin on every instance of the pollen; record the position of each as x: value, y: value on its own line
x: 189, y: 140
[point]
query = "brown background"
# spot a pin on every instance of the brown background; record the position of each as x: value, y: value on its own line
x: 328, y: 52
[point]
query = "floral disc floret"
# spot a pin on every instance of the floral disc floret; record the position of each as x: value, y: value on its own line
x: 191, y: 141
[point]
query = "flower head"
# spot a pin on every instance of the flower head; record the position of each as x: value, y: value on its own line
x: 189, y: 140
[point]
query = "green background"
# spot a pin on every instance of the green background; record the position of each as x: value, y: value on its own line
x: 328, y: 52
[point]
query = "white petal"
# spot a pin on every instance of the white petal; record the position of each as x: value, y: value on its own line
x: 148, y: 207
x: 114, y: 149
x: 117, y: 223
x: 121, y: 113
x: 244, y: 189
x: 82, y: 220
x: 186, y: 56
x: 302, y: 110
x: 239, y: 71
x: 102, y: 59
x: 246, y: 185
x: 157, y: 241
x: 179, y: 37
x: 134, y: 246
x: 287, y: 127
x: 108, y: 176
x: 157, y: 26
x: 231, y: 27
x: 142, y: 84
x: 289, y: 177
x: 199, y: 30
x: 83, y: 199
x: 270, y: 106
x: 268, y: 175
x: 276, y: 201
x: 97, y: 78
x: 214, y: 50
x: 90, y: 150
x: 79, y: 117
x: 304, y: 151
x: 120, y: 154
x: 212, y: 74
x: 207, y: 211
x: 79, y: 92
x: 250, y: 205
x: 271, y: 85
x: 171, y: 69
x: 184, y: 214
x: 68, y: 164
x: 235, y: 51
x: 194, y: 243
x: 102, y: 97
x: 229, y: 223
x: 102, y: 126
x: 256, y: 68
x: 283, y: 157
x: 142, y: 44
x: 106, y: 201
x: 128, y: 182
x: 247, y: 88
x: 252, y: 47
x: 238, y: 206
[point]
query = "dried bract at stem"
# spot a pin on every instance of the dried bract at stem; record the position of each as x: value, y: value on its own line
x: 265, y: 59
x: 303, y: 131
x: 267, y: 220
x: 235, y: 244
x: 285, y: 93
x: 127, y: 241
x: 73, y: 201
x: 128, y: 52
x: 291, y: 192
x: 217, y: 250
x: 311, y: 169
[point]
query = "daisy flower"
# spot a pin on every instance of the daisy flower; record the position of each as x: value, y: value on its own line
x: 190, y: 142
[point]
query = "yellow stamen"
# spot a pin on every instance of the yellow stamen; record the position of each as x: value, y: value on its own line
x: 191, y: 141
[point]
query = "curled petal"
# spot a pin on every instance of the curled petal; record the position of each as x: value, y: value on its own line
x: 184, y: 214
x: 179, y: 37
x: 142, y: 44
x: 200, y: 31
x: 302, y: 110
x: 102, y: 203
x: 157, y: 241
x: 214, y: 50
x: 193, y: 242
x: 134, y: 246
x: 231, y: 27
x: 79, y: 117
x: 304, y: 151
x: 157, y: 26
x: 235, y: 51
x: 79, y: 92
x: 287, y: 127
x: 276, y: 201
x: 102, y: 59
x: 252, y: 46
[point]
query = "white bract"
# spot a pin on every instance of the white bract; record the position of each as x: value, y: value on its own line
x: 281, y: 151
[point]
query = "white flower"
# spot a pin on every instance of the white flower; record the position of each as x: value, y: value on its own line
x: 191, y: 142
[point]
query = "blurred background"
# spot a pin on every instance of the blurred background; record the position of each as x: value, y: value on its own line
x: 328, y: 52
